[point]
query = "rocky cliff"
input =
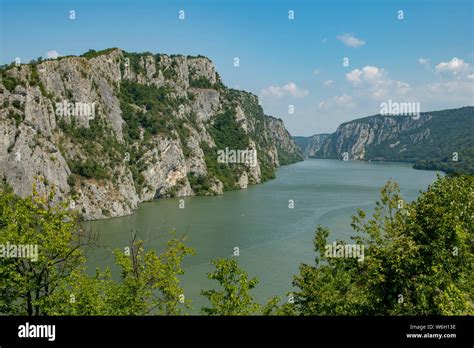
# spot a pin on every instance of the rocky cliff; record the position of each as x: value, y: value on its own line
x: 434, y: 140
x: 112, y: 129
x: 312, y: 144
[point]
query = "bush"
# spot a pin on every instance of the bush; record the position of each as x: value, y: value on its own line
x: 88, y: 169
x: 199, y: 183
x: 200, y: 82
x: 93, y: 53
x: 11, y: 82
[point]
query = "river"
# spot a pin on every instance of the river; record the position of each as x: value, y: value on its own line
x: 272, y: 238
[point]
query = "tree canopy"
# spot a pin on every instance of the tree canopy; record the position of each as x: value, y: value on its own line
x: 417, y: 259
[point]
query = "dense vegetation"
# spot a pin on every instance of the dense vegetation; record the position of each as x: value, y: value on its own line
x: 450, y: 132
x: 441, y: 140
x: 226, y: 132
x: 463, y: 165
x: 56, y: 284
x: 8, y: 80
x: 93, y: 53
x: 302, y: 142
x: 94, y: 139
x: 418, y: 260
x: 146, y: 107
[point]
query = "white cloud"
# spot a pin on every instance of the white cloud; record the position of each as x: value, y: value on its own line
x: 424, y: 61
x: 354, y: 76
x: 453, y: 93
x: 368, y: 86
x: 456, y: 67
x: 343, y: 101
x: 316, y: 71
x: 350, y: 40
x: 328, y: 83
x: 375, y: 83
x: 290, y: 89
x: 52, y: 54
x: 368, y: 74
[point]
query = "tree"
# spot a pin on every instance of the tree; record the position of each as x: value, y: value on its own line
x: 50, y: 242
x: 149, y: 281
x: 235, y: 297
x: 55, y: 283
x: 418, y: 258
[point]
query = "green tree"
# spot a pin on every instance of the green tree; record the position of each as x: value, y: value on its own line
x: 148, y: 284
x: 418, y: 258
x: 36, y: 222
x: 56, y: 282
x: 235, y: 297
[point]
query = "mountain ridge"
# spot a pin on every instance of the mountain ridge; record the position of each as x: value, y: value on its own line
x: 112, y: 129
x: 437, y: 140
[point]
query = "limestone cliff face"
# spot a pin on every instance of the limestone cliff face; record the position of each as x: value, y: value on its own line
x: 359, y: 137
x: 312, y: 144
x: 429, y: 140
x: 111, y: 129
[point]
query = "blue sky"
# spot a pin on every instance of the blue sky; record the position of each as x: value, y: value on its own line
x: 426, y: 57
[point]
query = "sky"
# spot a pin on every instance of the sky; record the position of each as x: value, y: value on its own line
x: 294, y: 64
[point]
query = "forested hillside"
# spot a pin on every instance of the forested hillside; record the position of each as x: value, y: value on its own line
x: 440, y: 140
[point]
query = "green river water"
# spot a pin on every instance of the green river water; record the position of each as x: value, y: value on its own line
x: 272, y: 238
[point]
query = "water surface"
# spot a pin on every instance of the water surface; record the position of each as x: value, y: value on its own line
x: 272, y: 238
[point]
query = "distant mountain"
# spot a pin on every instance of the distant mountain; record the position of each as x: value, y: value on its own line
x: 311, y: 145
x: 440, y: 140
x: 111, y: 129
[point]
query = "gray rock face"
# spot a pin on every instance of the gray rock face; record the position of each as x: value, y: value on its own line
x: 435, y: 140
x: 376, y: 137
x: 311, y: 145
x: 64, y: 120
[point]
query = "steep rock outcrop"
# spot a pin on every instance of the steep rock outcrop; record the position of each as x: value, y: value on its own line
x: 435, y: 140
x: 312, y: 144
x: 111, y: 129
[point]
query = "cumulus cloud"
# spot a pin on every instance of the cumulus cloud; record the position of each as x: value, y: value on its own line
x: 369, y: 74
x: 328, y: 83
x: 290, y: 89
x: 376, y: 83
x: 368, y: 86
x: 350, y: 40
x: 455, y: 67
x: 52, y: 54
x: 456, y: 87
